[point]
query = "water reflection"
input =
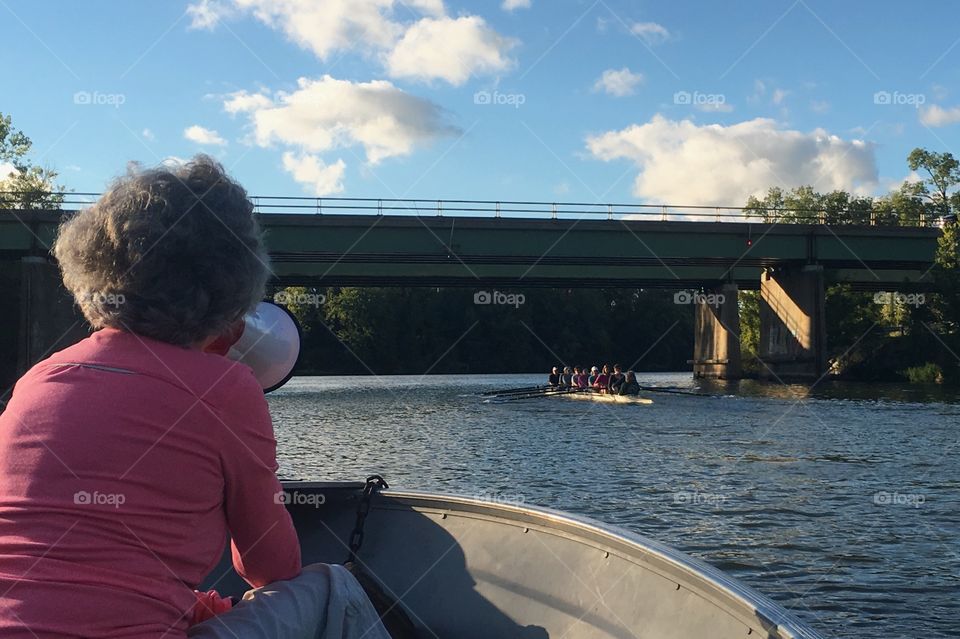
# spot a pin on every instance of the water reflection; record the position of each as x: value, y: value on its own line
x: 826, y: 389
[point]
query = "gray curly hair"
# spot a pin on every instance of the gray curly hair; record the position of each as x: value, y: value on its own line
x: 170, y: 253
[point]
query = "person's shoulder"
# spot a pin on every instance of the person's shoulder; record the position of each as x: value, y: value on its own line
x: 232, y: 381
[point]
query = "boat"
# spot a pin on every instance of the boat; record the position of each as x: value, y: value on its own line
x: 482, y: 567
x: 594, y: 396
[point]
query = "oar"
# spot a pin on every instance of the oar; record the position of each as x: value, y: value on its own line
x: 510, y: 391
x: 549, y: 390
x: 511, y: 398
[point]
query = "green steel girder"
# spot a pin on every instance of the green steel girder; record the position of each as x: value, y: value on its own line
x: 462, y: 251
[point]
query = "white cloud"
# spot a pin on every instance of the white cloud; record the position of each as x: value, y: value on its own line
x: 620, y: 83
x: 430, y: 7
x: 243, y: 102
x: 650, y: 32
x: 201, y: 135
x: 148, y: 134
x: 779, y: 95
x: 6, y: 171
x: 513, y: 5
x: 326, y: 114
x: 716, y: 165
x: 935, y: 115
x: 426, y: 46
x: 759, y: 90
x: 309, y: 170
x: 173, y: 161
x: 714, y: 107
x: 205, y: 14
x: 819, y: 106
x: 450, y: 49
x: 325, y: 27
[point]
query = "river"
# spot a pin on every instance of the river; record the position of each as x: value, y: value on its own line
x: 841, y: 504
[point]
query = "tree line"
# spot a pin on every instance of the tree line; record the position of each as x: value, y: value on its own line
x: 453, y: 330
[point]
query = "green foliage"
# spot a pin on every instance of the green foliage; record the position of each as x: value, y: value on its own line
x: 749, y: 303
x: 944, y: 306
x: 419, y: 330
x: 304, y: 302
x: 942, y: 173
x: 928, y: 373
x: 803, y: 205
x: 854, y: 324
x: 948, y: 248
x: 26, y: 186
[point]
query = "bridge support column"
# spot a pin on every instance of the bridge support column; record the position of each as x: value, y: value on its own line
x: 49, y: 321
x: 793, y: 336
x: 716, y: 344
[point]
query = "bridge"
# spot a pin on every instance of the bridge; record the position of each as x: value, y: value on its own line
x: 377, y: 242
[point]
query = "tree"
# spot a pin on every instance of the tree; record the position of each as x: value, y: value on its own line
x: 902, y: 207
x: 24, y: 185
x: 803, y: 205
x: 942, y: 174
x: 945, y: 303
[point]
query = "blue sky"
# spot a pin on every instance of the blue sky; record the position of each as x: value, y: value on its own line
x: 608, y: 100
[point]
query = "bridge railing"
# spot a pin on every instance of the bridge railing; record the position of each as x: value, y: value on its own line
x: 549, y: 210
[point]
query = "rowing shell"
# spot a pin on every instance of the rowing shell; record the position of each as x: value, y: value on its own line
x: 611, y: 399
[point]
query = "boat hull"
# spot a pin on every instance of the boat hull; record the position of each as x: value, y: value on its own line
x: 480, y: 568
x: 608, y: 399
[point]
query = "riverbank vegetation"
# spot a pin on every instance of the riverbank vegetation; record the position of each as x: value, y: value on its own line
x: 429, y: 330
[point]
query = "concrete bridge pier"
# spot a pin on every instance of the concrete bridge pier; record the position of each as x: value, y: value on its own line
x: 716, y: 345
x: 793, y: 336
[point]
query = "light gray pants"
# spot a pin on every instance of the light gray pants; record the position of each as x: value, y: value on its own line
x: 323, y: 602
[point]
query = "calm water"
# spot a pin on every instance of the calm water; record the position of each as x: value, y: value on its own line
x: 842, y: 506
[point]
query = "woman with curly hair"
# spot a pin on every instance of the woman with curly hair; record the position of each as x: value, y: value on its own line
x: 127, y: 459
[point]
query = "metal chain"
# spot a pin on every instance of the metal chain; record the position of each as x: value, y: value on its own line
x: 373, y: 485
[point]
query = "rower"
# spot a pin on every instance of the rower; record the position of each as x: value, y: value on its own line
x: 566, y: 379
x: 630, y: 385
x: 601, y: 381
x: 554, y: 378
x: 616, y: 380
x: 584, y: 380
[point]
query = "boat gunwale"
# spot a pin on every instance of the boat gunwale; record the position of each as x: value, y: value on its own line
x: 764, y: 610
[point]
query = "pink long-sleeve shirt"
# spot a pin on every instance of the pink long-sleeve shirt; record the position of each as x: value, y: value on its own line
x: 124, y: 463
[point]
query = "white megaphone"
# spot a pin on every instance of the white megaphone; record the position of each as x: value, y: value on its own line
x: 268, y: 341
